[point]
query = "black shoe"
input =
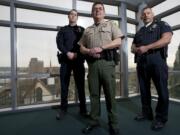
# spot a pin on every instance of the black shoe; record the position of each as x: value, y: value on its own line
x: 61, y: 114
x: 89, y: 128
x: 157, y: 125
x: 142, y: 117
x: 113, y: 131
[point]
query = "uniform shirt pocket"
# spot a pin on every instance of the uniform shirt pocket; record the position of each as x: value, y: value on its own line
x: 89, y: 38
x: 106, y: 33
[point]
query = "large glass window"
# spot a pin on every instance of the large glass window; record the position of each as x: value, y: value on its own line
x: 85, y: 21
x: 38, y: 68
x: 174, y: 66
x: 87, y: 6
x: 113, y: 10
x: 57, y: 3
x: 131, y: 14
x: 5, y: 68
x: 38, y: 17
x: 84, y: 6
x: 131, y: 63
x: 131, y: 28
x: 4, y: 13
x: 172, y: 48
x: 171, y: 20
x: 132, y: 76
x: 166, y: 5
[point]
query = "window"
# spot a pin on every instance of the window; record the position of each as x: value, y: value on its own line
x: 174, y: 66
x: 87, y: 6
x: 131, y: 63
x: 173, y: 48
x: 5, y: 68
x: 131, y: 28
x: 171, y: 20
x: 37, y: 67
x: 84, y: 6
x: 113, y: 10
x: 132, y: 76
x: 85, y: 21
x: 38, y: 17
x: 57, y: 3
x: 131, y: 14
x: 164, y: 6
x: 4, y: 13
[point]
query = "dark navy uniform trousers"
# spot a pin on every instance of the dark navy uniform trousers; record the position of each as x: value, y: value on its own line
x: 153, y: 66
x: 79, y: 74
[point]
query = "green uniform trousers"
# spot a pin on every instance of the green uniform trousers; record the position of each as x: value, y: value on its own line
x: 102, y: 73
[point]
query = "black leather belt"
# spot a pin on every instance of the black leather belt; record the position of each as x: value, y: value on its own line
x: 152, y: 51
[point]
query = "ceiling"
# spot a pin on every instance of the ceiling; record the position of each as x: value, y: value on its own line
x: 131, y: 4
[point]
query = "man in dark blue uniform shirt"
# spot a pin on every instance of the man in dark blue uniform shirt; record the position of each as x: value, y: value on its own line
x: 150, y: 48
x: 71, y: 59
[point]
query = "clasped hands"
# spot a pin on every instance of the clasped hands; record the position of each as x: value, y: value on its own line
x: 140, y: 50
x: 95, y: 52
x: 71, y: 55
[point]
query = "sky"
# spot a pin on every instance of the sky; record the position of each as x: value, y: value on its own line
x: 41, y: 44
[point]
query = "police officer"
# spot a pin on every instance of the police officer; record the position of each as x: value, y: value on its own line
x: 71, y: 59
x: 97, y: 43
x: 150, y: 48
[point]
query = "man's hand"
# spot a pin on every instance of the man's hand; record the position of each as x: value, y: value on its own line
x: 97, y: 49
x: 71, y: 55
x: 95, y: 52
x: 133, y: 48
x: 142, y: 49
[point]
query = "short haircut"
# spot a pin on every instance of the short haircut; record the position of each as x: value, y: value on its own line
x: 96, y: 3
x: 72, y: 11
x: 147, y: 7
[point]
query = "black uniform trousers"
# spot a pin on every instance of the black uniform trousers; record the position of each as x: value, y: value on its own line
x: 153, y: 66
x: 79, y: 74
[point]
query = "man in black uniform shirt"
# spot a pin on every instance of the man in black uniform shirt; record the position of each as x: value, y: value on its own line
x: 71, y: 59
x: 150, y: 48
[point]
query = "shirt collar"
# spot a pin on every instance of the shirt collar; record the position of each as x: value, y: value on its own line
x: 102, y: 21
x: 72, y: 26
x: 148, y: 24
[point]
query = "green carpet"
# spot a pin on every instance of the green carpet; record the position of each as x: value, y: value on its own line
x: 43, y: 122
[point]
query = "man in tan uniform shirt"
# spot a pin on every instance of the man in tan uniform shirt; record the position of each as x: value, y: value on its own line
x: 98, y: 43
